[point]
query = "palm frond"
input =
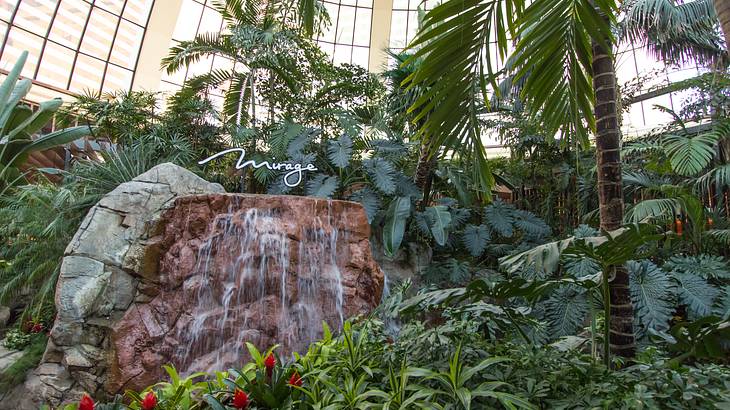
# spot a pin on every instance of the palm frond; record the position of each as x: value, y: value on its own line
x: 675, y: 32
x: 186, y: 53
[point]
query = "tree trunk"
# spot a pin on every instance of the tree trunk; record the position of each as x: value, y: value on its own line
x: 424, y: 175
x: 722, y: 7
x: 610, y: 195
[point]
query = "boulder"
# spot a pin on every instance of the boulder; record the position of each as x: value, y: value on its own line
x: 167, y: 268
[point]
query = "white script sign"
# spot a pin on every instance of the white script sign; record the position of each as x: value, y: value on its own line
x: 294, y: 169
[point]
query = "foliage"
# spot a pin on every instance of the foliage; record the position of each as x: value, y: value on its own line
x: 16, y: 339
x: 19, y: 123
x: 15, y: 373
x: 443, y: 367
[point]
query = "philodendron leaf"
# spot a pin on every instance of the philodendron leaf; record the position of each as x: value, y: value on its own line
x: 339, y: 151
x: 369, y: 200
x: 395, y: 224
x: 696, y: 293
x: 382, y: 172
x: 439, y: 219
x: 476, y: 238
x: 322, y: 186
x: 652, y: 294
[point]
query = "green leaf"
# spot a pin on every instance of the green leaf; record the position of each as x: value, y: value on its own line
x: 706, y: 266
x: 722, y: 306
x: 369, y: 200
x: 696, y: 294
x: 339, y: 151
x: 322, y: 186
x: 57, y: 138
x: 476, y: 238
x: 395, y: 224
x: 652, y: 295
x: 382, y: 173
x: 439, y: 219
x: 500, y: 217
x: 690, y: 155
x: 566, y: 310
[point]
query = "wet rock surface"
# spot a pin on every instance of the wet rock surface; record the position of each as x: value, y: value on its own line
x: 168, y: 268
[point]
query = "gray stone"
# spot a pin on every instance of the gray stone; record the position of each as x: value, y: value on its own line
x: 96, y: 284
x: 4, y: 316
x: 73, y: 357
x: 8, y: 357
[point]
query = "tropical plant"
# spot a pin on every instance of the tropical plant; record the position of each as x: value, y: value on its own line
x: 19, y: 123
x: 675, y: 32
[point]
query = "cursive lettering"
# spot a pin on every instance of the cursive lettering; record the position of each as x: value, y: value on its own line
x: 295, y: 170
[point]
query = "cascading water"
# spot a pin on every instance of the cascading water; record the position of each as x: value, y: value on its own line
x: 247, y: 272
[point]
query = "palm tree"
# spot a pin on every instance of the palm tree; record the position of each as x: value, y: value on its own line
x: 258, y: 34
x: 610, y: 192
x: 566, y: 47
x: 563, y: 56
x: 399, y: 100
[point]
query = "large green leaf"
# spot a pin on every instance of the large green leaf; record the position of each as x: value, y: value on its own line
x: 340, y: 150
x: 696, y: 294
x: 566, y: 310
x: 689, y: 155
x: 652, y: 295
x: 322, y: 186
x: 381, y: 172
x: 369, y: 200
x: 395, y: 224
x: 500, y: 217
x: 57, y: 138
x: 8, y: 86
x: 439, y: 219
x: 706, y: 266
x: 476, y: 238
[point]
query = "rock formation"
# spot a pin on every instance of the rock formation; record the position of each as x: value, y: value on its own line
x: 168, y: 268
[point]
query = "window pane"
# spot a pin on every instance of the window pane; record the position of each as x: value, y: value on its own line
x: 345, y: 25
x: 138, y: 11
x: 6, y: 9
x: 187, y: 21
x: 343, y: 54
x: 68, y: 23
x: 87, y: 74
x: 127, y: 44
x: 117, y: 78
x: 114, y: 6
x: 18, y: 41
x: 360, y: 56
x: 35, y: 16
x: 211, y: 21
x: 100, y: 33
x: 362, y: 27
x: 56, y: 64
x: 398, y: 26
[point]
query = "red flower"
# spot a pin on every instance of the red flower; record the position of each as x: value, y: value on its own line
x: 678, y: 223
x: 270, y: 362
x: 37, y: 328
x: 240, y: 399
x: 295, y: 380
x: 149, y: 402
x: 86, y: 403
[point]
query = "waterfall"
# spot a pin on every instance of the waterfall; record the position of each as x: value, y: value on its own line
x: 250, y: 271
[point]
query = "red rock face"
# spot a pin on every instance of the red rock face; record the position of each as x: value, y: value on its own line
x: 243, y: 268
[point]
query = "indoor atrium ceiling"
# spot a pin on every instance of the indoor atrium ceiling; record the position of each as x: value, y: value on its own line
x: 107, y: 45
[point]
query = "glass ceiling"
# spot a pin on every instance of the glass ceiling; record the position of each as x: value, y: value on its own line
x: 91, y: 45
